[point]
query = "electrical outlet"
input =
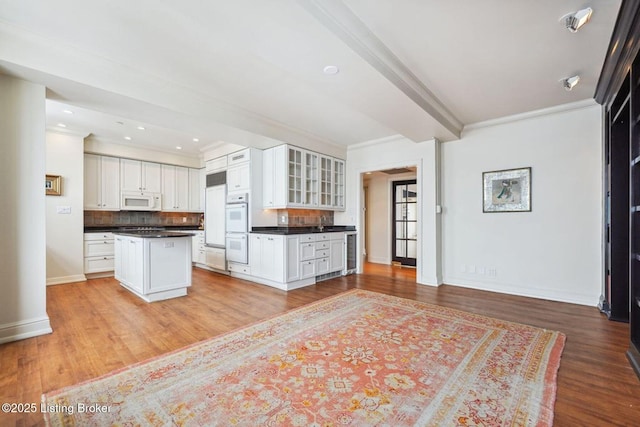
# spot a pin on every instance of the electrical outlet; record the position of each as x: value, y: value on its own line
x: 184, y: 219
x: 63, y: 209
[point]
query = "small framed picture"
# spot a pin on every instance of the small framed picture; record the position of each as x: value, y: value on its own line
x: 52, y: 185
x: 506, y: 190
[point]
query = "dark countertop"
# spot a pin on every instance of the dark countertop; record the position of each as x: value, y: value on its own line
x: 125, y: 228
x: 302, y: 230
x: 148, y: 234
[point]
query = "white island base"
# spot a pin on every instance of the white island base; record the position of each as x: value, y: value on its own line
x: 154, y: 266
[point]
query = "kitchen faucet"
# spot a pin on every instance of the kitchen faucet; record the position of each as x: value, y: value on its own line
x: 321, y: 226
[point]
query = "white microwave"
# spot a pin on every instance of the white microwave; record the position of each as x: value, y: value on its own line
x: 140, y: 201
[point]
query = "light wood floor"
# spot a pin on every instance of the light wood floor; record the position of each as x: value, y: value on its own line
x: 99, y: 326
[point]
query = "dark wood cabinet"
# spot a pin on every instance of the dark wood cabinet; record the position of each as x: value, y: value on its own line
x: 619, y: 91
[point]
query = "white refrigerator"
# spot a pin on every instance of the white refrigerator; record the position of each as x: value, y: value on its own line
x: 214, y: 216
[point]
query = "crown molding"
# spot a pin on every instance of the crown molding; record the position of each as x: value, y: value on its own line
x: 530, y: 114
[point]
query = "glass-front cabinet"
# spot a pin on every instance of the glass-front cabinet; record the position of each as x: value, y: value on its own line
x: 295, y: 176
x: 310, y: 178
x: 338, y: 184
x: 299, y: 178
x: 326, y: 175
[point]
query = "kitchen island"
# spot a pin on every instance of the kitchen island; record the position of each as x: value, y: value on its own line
x: 154, y: 265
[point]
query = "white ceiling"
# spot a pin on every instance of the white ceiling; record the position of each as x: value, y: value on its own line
x: 249, y: 72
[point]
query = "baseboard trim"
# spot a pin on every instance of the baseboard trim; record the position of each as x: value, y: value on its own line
x: 25, y: 329
x: 65, y: 279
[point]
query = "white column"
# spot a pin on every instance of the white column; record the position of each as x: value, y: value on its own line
x: 22, y: 211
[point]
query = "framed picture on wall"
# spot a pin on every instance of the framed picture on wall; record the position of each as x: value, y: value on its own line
x: 52, y: 185
x: 506, y: 190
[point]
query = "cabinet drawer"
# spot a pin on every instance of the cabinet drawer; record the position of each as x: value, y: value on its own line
x: 98, y: 236
x: 307, y: 238
x: 98, y: 264
x: 322, y: 245
x: 307, y: 251
x: 239, y: 268
x: 307, y: 269
x: 323, y: 253
x: 322, y: 236
x: 98, y: 247
x: 336, y: 236
x: 322, y: 266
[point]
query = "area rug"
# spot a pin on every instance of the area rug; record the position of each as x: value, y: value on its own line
x: 355, y: 359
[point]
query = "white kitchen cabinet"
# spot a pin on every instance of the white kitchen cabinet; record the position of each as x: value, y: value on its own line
x: 307, y: 251
x: 101, y: 182
x: 292, y: 266
x: 338, y: 184
x: 292, y: 261
x: 311, y: 176
x: 129, y: 255
x: 153, y: 268
x: 239, y: 157
x: 326, y: 176
x: 198, y: 255
x: 266, y: 256
x: 274, y: 183
x: 298, y: 178
x: 239, y: 178
x: 197, y: 185
x: 136, y: 175
x: 98, y: 253
x: 175, y: 188
x: 307, y: 269
x: 336, y: 252
x: 216, y: 165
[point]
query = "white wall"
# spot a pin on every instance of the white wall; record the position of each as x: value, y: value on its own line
x: 392, y: 153
x: 22, y: 211
x: 65, y: 251
x: 552, y: 252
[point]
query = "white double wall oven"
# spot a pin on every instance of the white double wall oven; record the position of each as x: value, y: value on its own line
x: 237, y: 224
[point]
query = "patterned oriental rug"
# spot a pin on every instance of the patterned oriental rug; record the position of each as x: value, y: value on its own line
x: 355, y: 359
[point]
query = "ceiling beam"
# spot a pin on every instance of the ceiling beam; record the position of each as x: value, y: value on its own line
x: 342, y: 22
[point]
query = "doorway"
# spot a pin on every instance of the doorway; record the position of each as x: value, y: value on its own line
x: 404, y: 241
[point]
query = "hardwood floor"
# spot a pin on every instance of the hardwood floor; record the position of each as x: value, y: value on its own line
x: 99, y: 326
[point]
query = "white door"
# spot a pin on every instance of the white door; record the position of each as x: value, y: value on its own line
x: 214, y: 219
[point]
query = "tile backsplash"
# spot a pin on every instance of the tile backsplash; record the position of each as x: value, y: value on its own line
x: 142, y: 219
x: 304, y: 217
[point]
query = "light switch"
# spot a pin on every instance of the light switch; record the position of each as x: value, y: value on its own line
x: 63, y: 209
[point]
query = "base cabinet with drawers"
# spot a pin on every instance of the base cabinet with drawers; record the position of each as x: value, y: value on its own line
x: 292, y: 261
x: 98, y: 254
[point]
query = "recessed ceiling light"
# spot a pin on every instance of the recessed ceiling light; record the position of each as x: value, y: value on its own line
x: 141, y: 127
x: 62, y: 125
x: 196, y: 140
x: 331, y: 69
x: 67, y: 111
x: 128, y: 138
x: 178, y: 148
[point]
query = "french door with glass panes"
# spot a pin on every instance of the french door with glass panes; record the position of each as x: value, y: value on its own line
x: 405, y: 222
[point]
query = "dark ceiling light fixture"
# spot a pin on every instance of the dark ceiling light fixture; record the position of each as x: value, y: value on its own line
x: 574, y: 21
